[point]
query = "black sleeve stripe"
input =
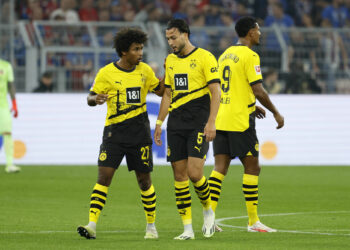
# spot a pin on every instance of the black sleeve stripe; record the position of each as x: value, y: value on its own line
x: 256, y: 82
x: 156, y: 88
x: 214, y: 81
x: 93, y: 93
x: 167, y: 86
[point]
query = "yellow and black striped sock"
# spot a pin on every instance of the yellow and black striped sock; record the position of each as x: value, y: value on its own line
x: 250, y: 190
x: 148, y: 199
x: 202, y: 189
x: 98, y: 200
x: 183, y: 201
x: 215, y: 181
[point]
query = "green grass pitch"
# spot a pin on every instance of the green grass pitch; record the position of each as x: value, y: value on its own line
x: 41, y: 207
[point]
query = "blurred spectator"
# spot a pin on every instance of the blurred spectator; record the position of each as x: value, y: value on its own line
x: 227, y: 20
x: 199, y: 37
x: 278, y: 17
x: 333, y: 48
x: 66, y: 11
x: 87, y: 12
x: 301, y: 8
x: 335, y: 14
x: 104, y: 4
x: 116, y: 12
x: 212, y: 16
x: 241, y: 10
x: 104, y: 15
x: 182, y: 10
x: 45, y: 83
x: 271, y: 83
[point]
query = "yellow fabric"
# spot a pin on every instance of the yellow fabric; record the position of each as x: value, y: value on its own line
x: 239, y: 67
x: 189, y: 74
x: 203, y: 191
x: 125, y: 90
x: 215, y: 187
x: 183, y: 201
x: 252, y: 206
x: 96, y: 200
x: 148, y: 198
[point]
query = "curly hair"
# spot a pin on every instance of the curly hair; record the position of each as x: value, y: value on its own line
x: 127, y: 36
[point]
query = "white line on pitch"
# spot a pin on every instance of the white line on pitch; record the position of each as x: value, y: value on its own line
x: 218, y: 221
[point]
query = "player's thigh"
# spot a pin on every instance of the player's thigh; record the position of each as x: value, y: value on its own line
x: 197, y: 146
x: 5, y: 121
x: 111, y: 155
x: 139, y: 158
x: 177, y: 149
x: 221, y: 145
x: 195, y: 168
x: 243, y: 144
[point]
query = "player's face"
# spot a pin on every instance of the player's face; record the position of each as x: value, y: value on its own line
x: 256, y: 35
x: 176, y: 40
x: 135, y: 53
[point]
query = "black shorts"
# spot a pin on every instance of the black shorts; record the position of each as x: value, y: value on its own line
x: 236, y: 144
x: 138, y: 157
x: 185, y: 143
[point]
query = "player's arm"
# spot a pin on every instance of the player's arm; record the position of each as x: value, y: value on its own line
x: 261, y: 94
x: 163, y: 112
x: 12, y: 92
x: 210, y: 129
x: 160, y: 89
x: 93, y: 99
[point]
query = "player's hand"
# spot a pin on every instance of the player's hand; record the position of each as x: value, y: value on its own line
x: 101, y: 99
x: 157, y: 134
x: 14, y: 108
x: 279, y: 119
x: 209, y: 131
x: 260, y: 113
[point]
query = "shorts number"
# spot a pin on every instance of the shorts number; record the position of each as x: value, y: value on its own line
x: 145, y: 153
x: 200, y: 138
x: 225, y: 85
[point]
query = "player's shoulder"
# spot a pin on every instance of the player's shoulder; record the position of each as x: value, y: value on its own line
x: 107, y: 68
x: 249, y: 52
x: 205, y: 52
x: 144, y: 66
x: 5, y: 63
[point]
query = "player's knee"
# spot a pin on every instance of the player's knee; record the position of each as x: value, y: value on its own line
x: 253, y: 170
x: 104, y: 180
x: 144, y: 184
x: 195, y: 176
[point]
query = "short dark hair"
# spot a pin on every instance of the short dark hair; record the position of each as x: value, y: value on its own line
x: 244, y: 24
x: 180, y: 24
x: 127, y: 36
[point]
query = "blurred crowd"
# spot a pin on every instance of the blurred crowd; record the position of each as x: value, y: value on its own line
x: 334, y: 13
x: 316, y: 60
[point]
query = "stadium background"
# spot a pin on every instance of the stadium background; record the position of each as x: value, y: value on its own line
x: 304, y: 53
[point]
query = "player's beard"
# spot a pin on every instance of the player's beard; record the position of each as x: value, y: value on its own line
x: 180, y: 48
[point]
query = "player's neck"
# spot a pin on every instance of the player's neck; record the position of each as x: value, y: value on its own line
x: 125, y: 64
x: 187, y: 49
x: 245, y: 42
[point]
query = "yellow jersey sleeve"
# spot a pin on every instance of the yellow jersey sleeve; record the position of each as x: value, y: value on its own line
x: 211, y: 68
x: 151, y: 80
x: 10, y: 77
x: 253, y: 70
x: 100, y: 85
x: 167, y: 80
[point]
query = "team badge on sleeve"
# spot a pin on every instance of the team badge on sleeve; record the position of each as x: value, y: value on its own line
x: 257, y: 69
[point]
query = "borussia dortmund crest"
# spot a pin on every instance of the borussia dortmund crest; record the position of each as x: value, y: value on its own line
x: 193, y: 63
x: 143, y: 79
x: 168, y: 153
x: 103, y: 156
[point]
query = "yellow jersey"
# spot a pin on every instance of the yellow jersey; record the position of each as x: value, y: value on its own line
x: 239, y: 69
x: 126, y: 89
x: 188, y: 77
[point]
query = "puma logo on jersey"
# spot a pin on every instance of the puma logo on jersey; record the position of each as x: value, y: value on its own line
x: 199, y: 149
x: 117, y: 82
